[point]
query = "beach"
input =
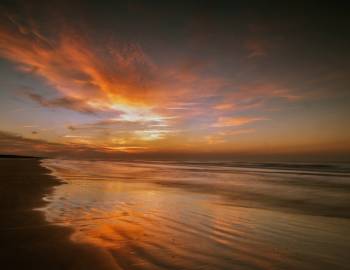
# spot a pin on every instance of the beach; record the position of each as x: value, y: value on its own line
x: 28, y: 241
x: 174, y: 135
x: 66, y: 214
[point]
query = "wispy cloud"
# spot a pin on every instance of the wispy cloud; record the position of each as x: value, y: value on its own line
x: 258, y: 95
x: 114, y: 76
x: 73, y: 104
x: 223, y: 136
x: 145, y: 101
x: 256, y: 48
x: 106, y: 77
x: 236, y: 121
x: 120, y: 74
x: 17, y: 144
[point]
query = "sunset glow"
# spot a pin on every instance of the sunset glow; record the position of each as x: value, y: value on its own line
x: 174, y: 135
x: 105, y: 85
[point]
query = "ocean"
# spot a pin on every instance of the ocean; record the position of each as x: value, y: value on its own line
x: 206, y: 215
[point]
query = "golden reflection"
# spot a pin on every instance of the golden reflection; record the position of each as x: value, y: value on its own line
x: 144, y: 219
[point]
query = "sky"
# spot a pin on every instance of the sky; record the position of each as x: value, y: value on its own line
x: 161, y: 79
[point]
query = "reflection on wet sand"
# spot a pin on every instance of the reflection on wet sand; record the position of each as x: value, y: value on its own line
x: 179, y: 216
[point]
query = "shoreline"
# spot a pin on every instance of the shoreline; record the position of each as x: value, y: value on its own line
x: 138, y: 225
x: 28, y: 241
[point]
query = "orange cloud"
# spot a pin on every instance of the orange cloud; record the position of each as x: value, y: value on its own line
x: 265, y: 91
x: 109, y: 74
x: 224, y: 106
x: 144, y: 101
x: 221, y: 137
x: 64, y: 102
x: 254, y: 96
x: 74, y: 146
x: 79, y: 71
x: 236, y: 121
x: 113, y: 76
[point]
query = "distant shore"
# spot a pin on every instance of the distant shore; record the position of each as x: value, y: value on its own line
x: 28, y: 241
x: 18, y: 156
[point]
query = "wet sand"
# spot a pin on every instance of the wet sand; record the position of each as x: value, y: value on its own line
x: 138, y: 216
x: 161, y: 215
x: 27, y: 240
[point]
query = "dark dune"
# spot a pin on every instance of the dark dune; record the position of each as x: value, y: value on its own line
x: 27, y: 240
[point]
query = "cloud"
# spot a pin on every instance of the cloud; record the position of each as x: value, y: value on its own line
x: 223, y: 136
x: 112, y: 130
x: 144, y: 100
x: 76, y: 136
x: 17, y: 144
x: 114, y: 75
x: 73, y: 104
x: 249, y: 93
x: 256, y: 48
x: 152, y: 134
x: 236, y: 121
x: 103, y: 74
x: 224, y: 106
x: 251, y: 96
x: 115, y: 123
x: 244, y: 104
x: 238, y: 132
x: 120, y: 73
x: 13, y: 143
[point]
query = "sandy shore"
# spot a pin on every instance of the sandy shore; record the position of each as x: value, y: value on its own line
x: 27, y: 240
x: 137, y: 216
